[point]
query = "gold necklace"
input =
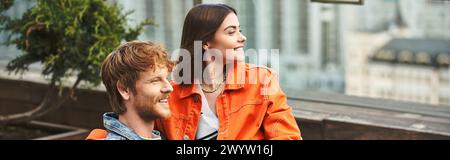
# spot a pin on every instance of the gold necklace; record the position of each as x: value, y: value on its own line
x: 214, y: 89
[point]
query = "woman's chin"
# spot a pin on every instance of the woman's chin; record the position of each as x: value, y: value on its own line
x: 240, y: 58
x: 237, y: 57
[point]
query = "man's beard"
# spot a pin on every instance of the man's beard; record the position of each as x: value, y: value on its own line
x: 149, y: 113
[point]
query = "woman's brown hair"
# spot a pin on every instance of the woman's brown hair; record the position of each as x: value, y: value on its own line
x: 201, y: 24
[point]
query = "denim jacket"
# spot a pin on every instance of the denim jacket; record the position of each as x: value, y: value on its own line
x: 119, y: 131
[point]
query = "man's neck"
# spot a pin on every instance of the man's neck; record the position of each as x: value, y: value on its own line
x: 143, y: 128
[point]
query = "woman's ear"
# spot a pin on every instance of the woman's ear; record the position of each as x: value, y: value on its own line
x: 124, y: 92
x: 206, y: 46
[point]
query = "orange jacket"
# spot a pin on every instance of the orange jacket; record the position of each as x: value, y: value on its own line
x: 253, y: 110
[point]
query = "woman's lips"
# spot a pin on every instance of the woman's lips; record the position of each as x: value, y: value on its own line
x: 239, y: 49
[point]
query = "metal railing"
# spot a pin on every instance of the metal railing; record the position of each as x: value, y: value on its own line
x: 338, y: 116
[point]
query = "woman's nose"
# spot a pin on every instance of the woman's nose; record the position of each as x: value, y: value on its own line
x: 242, y: 38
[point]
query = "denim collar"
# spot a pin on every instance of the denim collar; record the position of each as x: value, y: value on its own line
x: 114, y: 126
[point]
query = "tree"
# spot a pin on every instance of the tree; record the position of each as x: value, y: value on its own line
x: 4, y: 6
x: 70, y: 38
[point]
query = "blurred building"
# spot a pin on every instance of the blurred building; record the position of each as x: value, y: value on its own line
x: 319, y: 66
x: 374, y: 16
x: 415, y: 70
x: 423, y: 18
x: 361, y: 46
x: 426, y: 18
x: 398, y: 57
x: 168, y: 16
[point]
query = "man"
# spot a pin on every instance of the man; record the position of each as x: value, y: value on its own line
x: 135, y: 77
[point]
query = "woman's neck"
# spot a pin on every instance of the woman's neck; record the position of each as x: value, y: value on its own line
x: 214, y: 74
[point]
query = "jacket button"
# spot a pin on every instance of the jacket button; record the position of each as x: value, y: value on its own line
x: 195, y: 99
x: 185, y: 137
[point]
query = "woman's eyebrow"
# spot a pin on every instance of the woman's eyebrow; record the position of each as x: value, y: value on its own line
x: 234, y: 27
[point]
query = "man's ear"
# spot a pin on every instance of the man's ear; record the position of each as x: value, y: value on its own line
x: 124, y: 92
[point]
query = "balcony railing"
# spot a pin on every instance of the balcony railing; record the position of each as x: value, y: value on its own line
x: 336, y: 116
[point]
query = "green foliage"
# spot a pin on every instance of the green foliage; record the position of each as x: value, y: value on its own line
x: 69, y: 37
x: 4, y: 6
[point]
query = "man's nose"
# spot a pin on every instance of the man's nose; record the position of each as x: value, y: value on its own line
x: 167, y: 88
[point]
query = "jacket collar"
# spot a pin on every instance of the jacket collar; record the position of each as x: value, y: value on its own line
x: 235, y: 79
x: 112, y: 124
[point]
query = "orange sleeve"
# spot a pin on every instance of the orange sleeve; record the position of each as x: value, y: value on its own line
x: 97, y: 134
x: 279, y: 122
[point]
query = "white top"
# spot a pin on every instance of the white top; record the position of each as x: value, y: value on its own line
x: 155, y: 136
x: 208, y: 123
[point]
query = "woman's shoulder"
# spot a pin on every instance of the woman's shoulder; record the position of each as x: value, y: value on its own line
x: 249, y: 66
x: 266, y: 72
x: 176, y: 85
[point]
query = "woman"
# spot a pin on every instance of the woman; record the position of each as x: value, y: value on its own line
x: 227, y: 105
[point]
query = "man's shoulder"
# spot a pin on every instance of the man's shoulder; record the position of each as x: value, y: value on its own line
x: 113, y: 136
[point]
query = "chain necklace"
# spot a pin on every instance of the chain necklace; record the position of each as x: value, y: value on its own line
x: 216, y: 88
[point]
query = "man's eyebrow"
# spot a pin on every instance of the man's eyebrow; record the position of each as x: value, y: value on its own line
x: 153, y: 77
